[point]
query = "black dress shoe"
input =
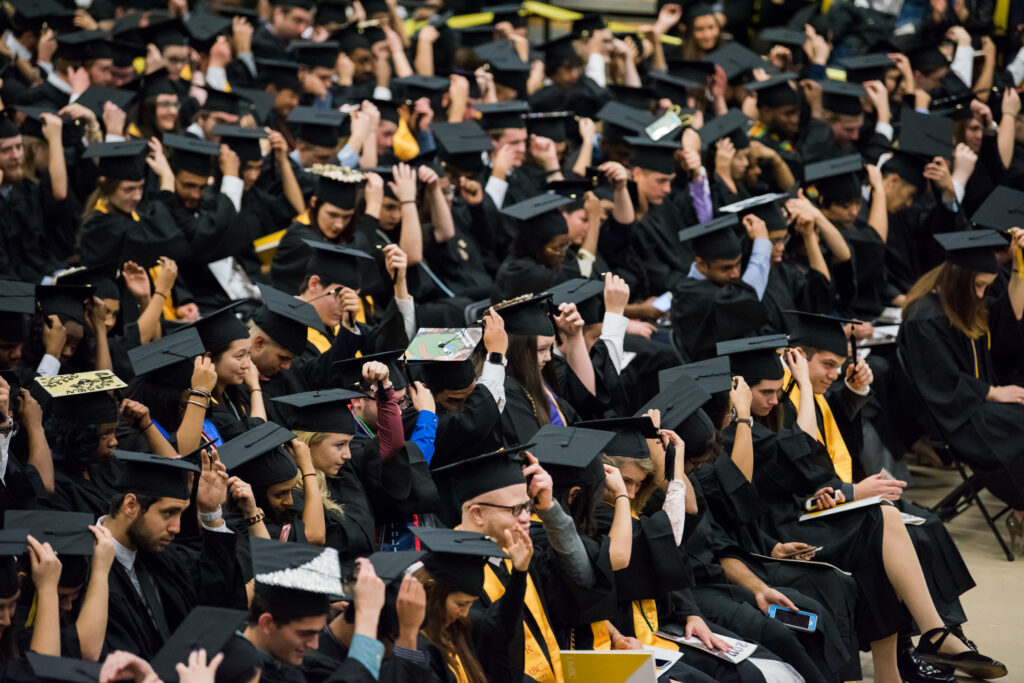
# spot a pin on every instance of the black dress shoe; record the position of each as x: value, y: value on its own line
x: 971, y: 662
x: 913, y: 669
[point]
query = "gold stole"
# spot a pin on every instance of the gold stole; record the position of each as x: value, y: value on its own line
x: 457, y: 669
x: 535, y: 664
x: 317, y: 339
x: 645, y: 623
x: 833, y: 441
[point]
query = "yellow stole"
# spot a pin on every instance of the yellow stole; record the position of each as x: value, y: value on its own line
x: 833, y: 438
x: 317, y: 339
x: 645, y: 623
x: 535, y: 664
x: 457, y: 669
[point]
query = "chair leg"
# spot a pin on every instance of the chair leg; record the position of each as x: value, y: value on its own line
x: 973, y: 495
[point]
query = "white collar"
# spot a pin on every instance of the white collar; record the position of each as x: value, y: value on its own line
x: 17, y: 48
x: 196, y: 130
x: 63, y: 86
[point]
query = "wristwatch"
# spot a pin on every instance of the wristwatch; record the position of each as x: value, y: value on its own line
x: 749, y: 420
x: 497, y: 358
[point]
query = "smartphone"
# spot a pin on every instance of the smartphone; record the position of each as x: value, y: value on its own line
x: 812, y: 549
x: 796, y: 620
x: 664, y: 302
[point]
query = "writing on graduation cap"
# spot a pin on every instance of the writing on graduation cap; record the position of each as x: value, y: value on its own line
x: 81, y: 383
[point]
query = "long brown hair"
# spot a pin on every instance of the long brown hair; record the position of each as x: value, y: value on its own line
x: 452, y: 640
x: 955, y: 288
x: 522, y: 362
x: 644, y: 491
x: 104, y: 188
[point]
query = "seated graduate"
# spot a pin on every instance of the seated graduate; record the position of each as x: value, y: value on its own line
x: 953, y: 340
x: 45, y: 572
x: 58, y: 339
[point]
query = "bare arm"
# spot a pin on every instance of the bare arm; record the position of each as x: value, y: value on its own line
x: 91, y: 624
x: 52, y: 128
x: 743, y: 443
x: 797, y: 364
x: 574, y: 347
x: 404, y: 188
x: 30, y: 415
x: 620, y: 536
x: 289, y: 183
x: 313, y: 507
x: 1007, y: 125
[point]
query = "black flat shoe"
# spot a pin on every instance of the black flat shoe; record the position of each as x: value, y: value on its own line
x: 970, y: 663
x: 913, y: 669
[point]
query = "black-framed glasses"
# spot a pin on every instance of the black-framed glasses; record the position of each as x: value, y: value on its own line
x: 516, y: 510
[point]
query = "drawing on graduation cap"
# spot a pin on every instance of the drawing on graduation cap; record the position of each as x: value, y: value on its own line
x: 81, y: 383
x: 444, y: 343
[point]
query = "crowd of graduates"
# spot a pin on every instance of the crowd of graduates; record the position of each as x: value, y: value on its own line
x: 431, y: 340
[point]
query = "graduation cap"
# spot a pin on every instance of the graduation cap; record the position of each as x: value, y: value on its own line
x: 323, y: 410
x: 224, y: 102
x: 154, y: 475
x: 715, y: 239
x: 350, y: 370
x: 909, y: 167
x: 88, y: 404
x: 630, y: 434
x: 32, y: 124
x: 102, y: 278
x: 972, y: 250
x: 691, y: 70
x: 779, y: 35
x: 863, y: 68
x: 456, y: 558
x: 712, y: 375
x: 777, y: 91
x: 925, y: 56
x: 245, y: 142
x: 257, y: 456
x: 339, y: 186
x: 736, y: 60
x: 416, y: 86
x: 32, y: 15
x: 391, y: 567
x: 320, y: 127
x: 755, y: 358
x: 7, y: 127
x: 190, y: 154
x: 551, y: 125
x: 502, y: 114
x: 294, y: 578
x: 81, y: 46
x: 168, y: 360
x: 286, y: 319
x: 621, y: 121
x: 733, y: 124
x: 257, y: 102
x: 67, y: 533
x: 674, y: 87
x: 119, y: 160
x: 337, y: 265
x: 17, y: 300
x: 539, y: 217
x: 350, y: 39
x: 587, y: 25
x: 837, y: 180
x: 330, y: 12
x: 571, y: 455
x: 220, y: 328
x: 475, y: 476
x: 63, y: 669
x: 582, y: 292
x: 1002, y: 209
x: 503, y: 61
x: 207, y: 628
x: 67, y: 301
x: 559, y: 51
x: 126, y: 52
x: 203, y: 29
x: 313, y: 54
x: 926, y: 135
x: 642, y: 97
x: 956, y: 107
x: 653, y: 155
x: 95, y: 98
x: 574, y: 188
x: 763, y: 206
x: 819, y: 331
x: 460, y: 145
x: 528, y: 314
x: 680, y: 407
x: 445, y: 356
x: 282, y: 74
x: 842, y: 98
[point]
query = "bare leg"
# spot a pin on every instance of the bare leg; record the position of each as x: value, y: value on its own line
x: 883, y: 655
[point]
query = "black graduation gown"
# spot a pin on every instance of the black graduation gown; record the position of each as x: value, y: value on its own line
x: 519, y: 420
x: 864, y: 288
x: 28, y: 214
x: 910, y: 248
x: 704, y: 314
x: 485, y: 224
x: 665, y: 258
x: 794, y: 287
x: 953, y: 374
x: 230, y: 414
x: 460, y: 261
x: 111, y: 236
x: 273, y: 670
x: 266, y: 45
x: 74, y: 493
x: 523, y: 274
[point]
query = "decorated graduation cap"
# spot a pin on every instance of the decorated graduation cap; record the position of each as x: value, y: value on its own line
x: 755, y: 358
x: 338, y: 185
x: 863, y: 68
x: 63, y: 669
x: 154, y: 475
x: 715, y: 239
x: 571, y: 455
x: 295, y: 579
x: 674, y: 87
x: 320, y: 127
x: 621, y: 121
x: 350, y: 370
x: 736, y: 60
x: 652, y: 155
x: 207, y: 628
x: 973, y: 250
x: 502, y: 114
x: 190, y: 154
x: 286, y: 319
x: 336, y: 264
x: 220, y: 328
x: 528, y: 314
x: 819, y: 331
x: 713, y: 375
x: 475, y: 476
x: 102, y: 278
x: 445, y: 356
x: 1002, y: 209
x: 281, y: 73
x: 630, y: 435
x: 842, y: 98
x: 680, y: 407
x: 459, y: 145
x: 926, y: 135
x: 313, y: 54
x: 67, y: 533
x: 66, y: 301
x: 17, y: 301
x: 323, y: 410
x: 456, y: 558
x: 82, y: 398
x: 539, y: 217
x: 733, y: 124
x: 245, y: 142
x: 765, y: 207
x: 257, y: 455
x: 777, y: 91
x: 837, y: 180
x: 119, y: 160
x: 168, y: 360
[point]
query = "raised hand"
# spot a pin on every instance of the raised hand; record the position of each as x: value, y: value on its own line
x: 519, y: 548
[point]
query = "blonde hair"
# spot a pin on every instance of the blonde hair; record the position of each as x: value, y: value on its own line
x: 312, y: 439
x: 646, y: 488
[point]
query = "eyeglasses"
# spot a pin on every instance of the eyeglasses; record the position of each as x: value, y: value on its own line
x: 557, y: 250
x: 782, y: 240
x: 168, y: 105
x: 516, y: 510
x: 176, y: 60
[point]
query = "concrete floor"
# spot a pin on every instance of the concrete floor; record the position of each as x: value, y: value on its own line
x: 995, y: 607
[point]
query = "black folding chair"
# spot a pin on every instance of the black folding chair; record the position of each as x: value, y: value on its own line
x: 960, y: 498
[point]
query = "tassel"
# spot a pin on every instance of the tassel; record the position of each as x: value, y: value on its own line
x: 1019, y: 256
x: 404, y: 142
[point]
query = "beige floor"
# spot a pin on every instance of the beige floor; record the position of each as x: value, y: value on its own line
x: 995, y: 607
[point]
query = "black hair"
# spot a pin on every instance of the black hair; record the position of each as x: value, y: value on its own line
x: 583, y: 506
x: 73, y: 444
x: 145, y: 502
x: 164, y: 402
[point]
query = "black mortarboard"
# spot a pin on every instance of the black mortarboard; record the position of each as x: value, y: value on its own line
x: 837, y: 180
x: 460, y: 145
x: 777, y: 91
x: 538, y: 217
x: 696, y: 9
x: 82, y: 46
x: 691, y: 70
x: 575, y: 188
x: 675, y: 87
x: 571, y: 455
x: 956, y: 106
x: 168, y: 360
x: 842, y: 98
x: 63, y: 669
x: 680, y: 407
x: 154, y: 475
x: 715, y: 239
x: 331, y: 12
x: 475, y: 476
x: 190, y: 154
x: 257, y: 102
x: 736, y: 60
x: 909, y: 167
x: 257, y: 456
x: 558, y: 51
x: 17, y: 300
x: 204, y: 29
x: 416, y: 86
x: 323, y: 410
x: 551, y: 125
x: 286, y: 319
x: 818, y: 331
x: 102, y: 278
x: 94, y: 408
x: 126, y: 52
x: 320, y: 127
x: 392, y: 566
x: 630, y: 435
x: 863, y: 68
x: 350, y: 370
x: 337, y: 265
x: 456, y: 558
x: 220, y: 328
x: 67, y: 533
x: 388, y: 110
x: 165, y: 31
x: 925, y: 55
x: 7, y: 127
x: 282, y: 74
x: 207, y: 628
x: 528, y: 314
x: 34, y: 14
x: 712, y: 375
x: 313, y: 54
x: 502, y: 114
x: 587, y: 25
x: 119, y: 160
x: 765, y: 207
x: 926, y: 135
x: 653, y: 155
x: 584, y: 293
x: 472, y: 36
x: 32, y: 124
x: 755, y: 358
x: 350, y: 39
x: 640, y: 98
x: 1002, y: 209
x: 295, y: 579
x: 733, y: 124
x: 445, y: 356
x: 67, y: 301
x: 503, y: 61
x: 245, y: 142
x: 972, y: 249
x: 779, y: 35
x: 224, y: 102
x: 95, y: 98
x: 621, y: 121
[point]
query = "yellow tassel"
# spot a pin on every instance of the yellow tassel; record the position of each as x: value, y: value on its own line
x: 32, y: 611
x: 404, y: 142
x: 1019, y: 255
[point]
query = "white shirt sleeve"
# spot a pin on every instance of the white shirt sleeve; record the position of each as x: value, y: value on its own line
x: 47, y: 67
x: 884, y: 129
x: 1016, y: 67
x: 110, y: 137
x: 595, y: 69
x: 407, y: 309
x: 231, y: 187
x: 222, y: 529
x: 381, y: 93
x: 963, y: 63
x: 863, y: 392
x: 496, y: 189
x: 217, y: 78
x: 5, y: 449
x: 48, y: 366
x: 613, y: 333
x: 493, y: 377
x: 249, y: 61
x: 585, y: 262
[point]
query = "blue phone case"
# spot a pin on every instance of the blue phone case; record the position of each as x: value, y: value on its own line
x: 812, y: 618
